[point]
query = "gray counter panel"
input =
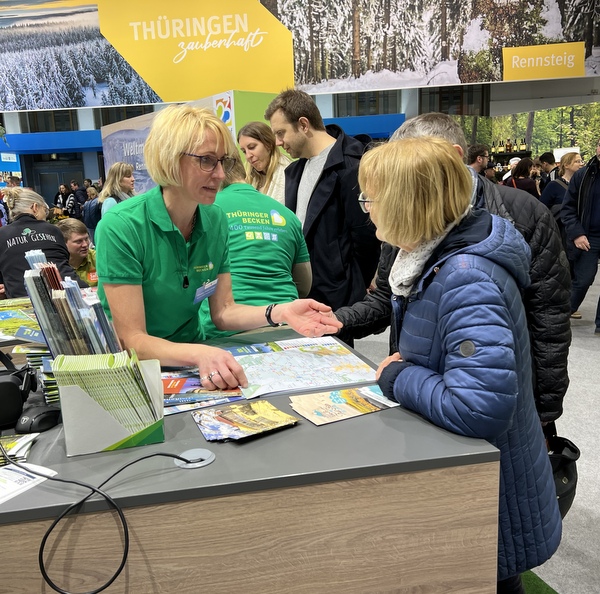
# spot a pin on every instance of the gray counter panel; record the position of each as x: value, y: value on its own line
x: 387, y: 442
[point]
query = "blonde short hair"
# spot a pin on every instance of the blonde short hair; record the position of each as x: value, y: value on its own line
x: 71, y: 226
x: 418, y: 187
x: 176, y: 130
x: 20, y: 200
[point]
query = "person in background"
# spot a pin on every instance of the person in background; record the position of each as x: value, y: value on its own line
x: 29, y: 231
x: 521, y: 178
x: 268, y: 255
x: 321, y: 188
x: 87, y: 183
x: 553, y: 196
x: 81, y: 257
x: 511, y: 164
x: 99, y: 184
x: 60, y: 198
x: 463, y: 359
x: 160, y: 254
x: 76, y: 200
x: 546, y: 299
x: 12, y: 181
x: 119, y: 186
x: 536, y: 171
x: 554, y: 192
x: 92, y: 211
x: 549, y: 169
x: 265, y: 162
x: 580, y: 214
x: 4, y: 219
x: 490, y: 173
x: 478, y: 157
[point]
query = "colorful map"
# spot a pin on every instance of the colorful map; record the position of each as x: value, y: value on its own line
x: 300, y: 364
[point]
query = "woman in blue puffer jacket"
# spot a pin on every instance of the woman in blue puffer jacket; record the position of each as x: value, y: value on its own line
x: 464, y: 357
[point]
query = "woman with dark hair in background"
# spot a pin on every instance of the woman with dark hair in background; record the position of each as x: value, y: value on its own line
x: 521, y: 177
x: 60, y: 200
x: 265, y: 162
x: 118, y: 186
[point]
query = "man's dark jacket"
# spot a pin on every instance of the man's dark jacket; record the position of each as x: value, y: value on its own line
x: 28, y: 233
x: 546, y: 300
x: 339, y: 235
x: 578, y: 203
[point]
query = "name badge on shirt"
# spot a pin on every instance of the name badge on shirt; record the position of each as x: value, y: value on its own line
x: 205, y: 290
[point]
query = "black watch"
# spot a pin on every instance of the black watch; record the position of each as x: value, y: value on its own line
x: 268, y: 316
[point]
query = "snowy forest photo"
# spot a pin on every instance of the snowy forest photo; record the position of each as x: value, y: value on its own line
x: 352, y: 45
x: 58, y: 59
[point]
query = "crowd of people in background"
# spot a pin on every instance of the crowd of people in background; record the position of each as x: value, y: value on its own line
x: 570, y: 189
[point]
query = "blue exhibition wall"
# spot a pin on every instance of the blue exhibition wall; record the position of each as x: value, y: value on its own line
x: 375, y: 126
x: 80, y: 141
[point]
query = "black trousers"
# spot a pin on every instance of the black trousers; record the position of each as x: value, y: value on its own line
x: 512, y: 585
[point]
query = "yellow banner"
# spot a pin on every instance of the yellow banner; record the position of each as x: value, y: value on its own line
x: 555, y: 60
x: 190, y: 49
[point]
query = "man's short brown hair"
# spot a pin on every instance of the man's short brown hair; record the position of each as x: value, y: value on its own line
x: 294, y: 105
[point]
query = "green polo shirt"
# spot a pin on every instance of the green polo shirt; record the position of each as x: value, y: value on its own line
x: 137, y: 244
x: 265, y: 241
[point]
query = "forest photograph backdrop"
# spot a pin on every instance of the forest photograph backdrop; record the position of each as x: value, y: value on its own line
x: 58, y: 59
x: 353, y: 45
x: 544, y: 130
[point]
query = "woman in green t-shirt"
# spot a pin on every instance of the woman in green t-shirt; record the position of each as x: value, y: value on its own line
x: 162, y: 253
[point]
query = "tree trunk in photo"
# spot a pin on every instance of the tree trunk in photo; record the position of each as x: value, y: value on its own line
x: 311, y: 45
x: 271, y: 6
x: 355, y: 38
x: 529, y: 131
x: 369, y: 54
x: 588, y: 32
x: 323, y: 62
x: 386, y: 20
x: 572, y: 126
x: 474, y: 130
x: 444, y: 33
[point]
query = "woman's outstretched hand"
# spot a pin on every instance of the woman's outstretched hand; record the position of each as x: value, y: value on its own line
x: 307, y: 317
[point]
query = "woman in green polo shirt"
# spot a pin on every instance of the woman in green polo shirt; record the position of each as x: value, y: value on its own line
x: 160, y: 254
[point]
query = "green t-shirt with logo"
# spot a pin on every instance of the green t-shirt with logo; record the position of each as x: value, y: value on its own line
x: 137, y: 244
x: 265, y: 241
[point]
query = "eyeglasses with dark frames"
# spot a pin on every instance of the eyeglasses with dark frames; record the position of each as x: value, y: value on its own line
x: 209, y: 163
x: 365, y: 202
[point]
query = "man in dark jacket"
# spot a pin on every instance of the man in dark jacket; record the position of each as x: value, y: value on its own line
x: 580, y: 214
x: 76, y: 200
x: 546, y: 300
x: 321, y: 187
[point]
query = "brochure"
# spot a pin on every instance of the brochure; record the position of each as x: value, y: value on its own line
x: 327, y: 407
x: 17, y: 447
x: 15, y: 480
x: 241, y: 420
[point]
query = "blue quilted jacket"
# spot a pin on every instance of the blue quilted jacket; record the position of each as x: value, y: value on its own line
x: 464, y: 334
